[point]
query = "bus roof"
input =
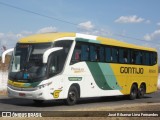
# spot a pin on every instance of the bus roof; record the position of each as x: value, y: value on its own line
x: 45, y: 37
x: 50, y: 37
x: 114, y: 42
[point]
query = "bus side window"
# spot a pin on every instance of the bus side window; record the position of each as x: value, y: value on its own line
x: 153, y: 58
x: 108, y: 54
x: 93, y: 53
x: 96, y: 53
x: 126, y: 56
x: 138, y: 57
x: 101, y: 54
x: 85, y: 53
x: 147, y: 61
x: 144, y: 58
x: 115, y: 55
x: 54, y: 64
x: 121, y: 55
x: 133, y: 56
x: 76, y: 57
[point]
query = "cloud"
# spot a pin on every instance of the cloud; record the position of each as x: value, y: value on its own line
x: 153, y: 36
x: 1, y: 35
x: 147, y: 21
x: 101, y: 32
x: 89, y: 28
x: 9, y: 39
x: 97, y: 32
x: 86, y: 25
x: 158, y: 23
x: 129, y: 19
x: 26, y: 32
x: 47, y: 30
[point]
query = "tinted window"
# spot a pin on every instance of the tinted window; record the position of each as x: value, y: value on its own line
x: 56, y: 62
x: 115, y: 53
x: 153, y: 58
x: 101, y: 53
x: 138, y: 57
x: 93, y: 53
x: 124, y: 55
x: 121, y: 56
x: 85, y: 53
x: 147, y: 58
x: 66, y: 44
x: 76, y: 57
x: 112, y: 54
x: 108, y: 54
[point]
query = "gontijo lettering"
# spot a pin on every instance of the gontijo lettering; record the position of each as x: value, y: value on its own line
x: 131, y: 70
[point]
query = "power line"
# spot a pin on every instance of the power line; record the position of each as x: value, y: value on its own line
x: 124, y: 36
x: 36, y: 13
x: 68, y: 22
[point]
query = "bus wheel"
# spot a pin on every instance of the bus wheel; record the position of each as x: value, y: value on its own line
x: 38, y: 101
x: 141, y: 91
x: 133, y: 92
x: 72, y: 96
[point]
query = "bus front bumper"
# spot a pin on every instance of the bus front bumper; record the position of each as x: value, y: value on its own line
x: 39, y: 94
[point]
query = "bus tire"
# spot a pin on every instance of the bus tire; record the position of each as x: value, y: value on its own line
x: 133, y: 92
x: 141, y: 91
x: 38, y: 102
x: 72, y: 96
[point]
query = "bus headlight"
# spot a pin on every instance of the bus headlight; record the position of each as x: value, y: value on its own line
x: 44, y: 85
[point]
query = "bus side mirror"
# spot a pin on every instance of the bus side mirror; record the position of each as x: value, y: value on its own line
x: 6, y: 52
x: 48, y: 52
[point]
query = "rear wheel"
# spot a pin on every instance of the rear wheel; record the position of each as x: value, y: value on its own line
x: 141, y: 91
x: 72, y: 96
x: 133, y: 92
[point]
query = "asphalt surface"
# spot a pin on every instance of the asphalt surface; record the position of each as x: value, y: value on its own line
x: 14, y: 104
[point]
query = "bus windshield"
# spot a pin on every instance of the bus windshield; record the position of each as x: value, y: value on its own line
x: 27, y: 62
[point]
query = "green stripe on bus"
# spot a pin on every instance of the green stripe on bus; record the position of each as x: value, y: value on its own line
x: 109, y: 76
x: 103, y: 76
x: 35, y: 84
x: 87, y: 40
x: 98, y: 75
x: 32, y: 85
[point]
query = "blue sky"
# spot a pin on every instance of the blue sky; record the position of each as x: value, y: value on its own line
x: 137, y: 19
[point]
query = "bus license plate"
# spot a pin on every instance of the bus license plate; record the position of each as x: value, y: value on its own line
x: 22, y: 94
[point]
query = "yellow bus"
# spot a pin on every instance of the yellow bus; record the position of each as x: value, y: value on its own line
x: 70, y: 66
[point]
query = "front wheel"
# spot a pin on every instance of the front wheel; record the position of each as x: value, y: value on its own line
x: 72, y: 96
x: 133, y: 92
